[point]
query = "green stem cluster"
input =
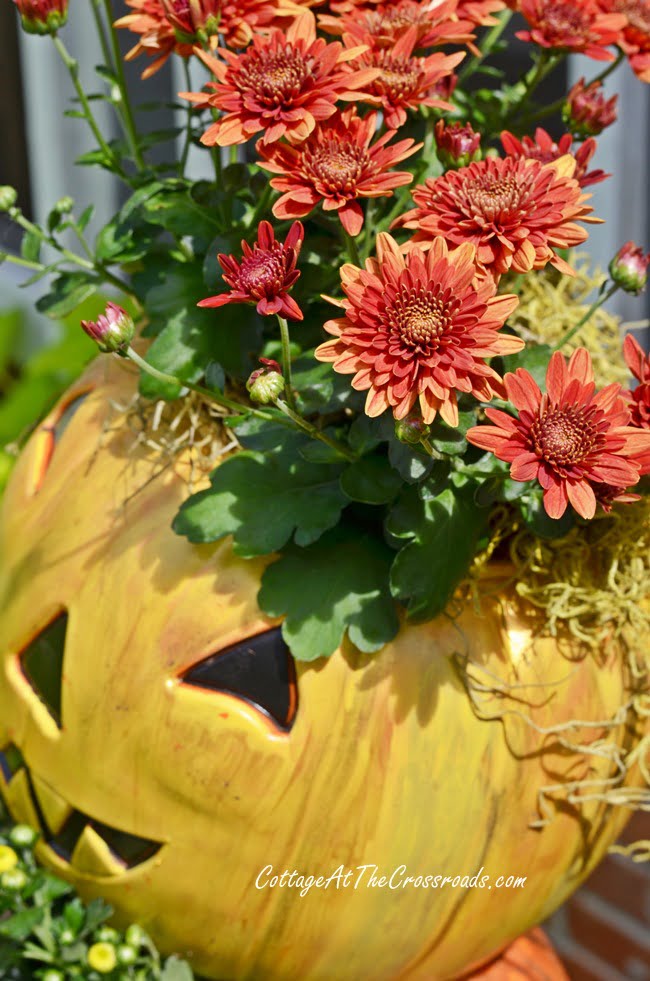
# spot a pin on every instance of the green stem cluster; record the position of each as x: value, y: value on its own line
x: 293, y: 418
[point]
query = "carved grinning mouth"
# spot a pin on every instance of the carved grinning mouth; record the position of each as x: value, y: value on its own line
x: 85, y: 843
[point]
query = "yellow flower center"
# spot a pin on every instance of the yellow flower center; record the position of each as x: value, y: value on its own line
x: 102, y: 958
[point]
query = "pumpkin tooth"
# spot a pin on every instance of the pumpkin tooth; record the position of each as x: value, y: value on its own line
x: 54, y: 809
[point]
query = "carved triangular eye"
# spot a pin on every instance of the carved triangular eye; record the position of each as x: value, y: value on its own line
x: 259, y: 669
x: 42, y: 664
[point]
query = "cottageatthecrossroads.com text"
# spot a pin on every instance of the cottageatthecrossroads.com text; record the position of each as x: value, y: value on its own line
x: 370, y: 877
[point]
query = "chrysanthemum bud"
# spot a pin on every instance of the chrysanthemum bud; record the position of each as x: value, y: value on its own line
x: 412, y: 430
x: 42, y: 16
x: 266, y: 384
x: 14, y: 880
x: 458, y: 145
x: 586, y: 111
x: 22, y: 836
x: 112, y: 331
x: 64, y: 205
x: 8, y: 197
x: 629, y: 268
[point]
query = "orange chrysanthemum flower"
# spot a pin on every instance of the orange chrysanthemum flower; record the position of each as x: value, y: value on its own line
x: 265, y: 273
x: 337, y: 165
x: 480, y: 12
x: 167, y: 26
x: 417, y: 329
x: 635, y: 36
x: 516, y: 212
x: 283, y: 84
x: 382, y: 26
x: 544, y: 148
x: 638, y: 400
x: 572, y: 439
x: 403, y: 81
x: 579, y: 26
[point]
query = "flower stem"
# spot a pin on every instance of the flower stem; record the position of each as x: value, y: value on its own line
x: 73, y: 69
x: 606, y: 72
x: 489, y: 42
x: 583, y: 320
x: 431, y: 450
x: 315, y: 433
x: 286, y: 361
x: 101, y: 33
x: 188, y: 125
x: 293, y: 419
x: 351, y: 247
x: 125, y: 103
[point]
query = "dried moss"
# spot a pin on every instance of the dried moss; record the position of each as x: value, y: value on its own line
x: 551, y: 304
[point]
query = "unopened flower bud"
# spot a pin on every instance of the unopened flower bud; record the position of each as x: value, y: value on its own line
x: 412, y: 430
x: 458, y: 145
x: 112, y: 331
x: 42, y: 16
x: 629, y: 268
x: 13, y: 880
x: 266, y: 384
x: 64, y: 205
x: 22, y: 836
x: 8, y: 197
x: 586, y: 111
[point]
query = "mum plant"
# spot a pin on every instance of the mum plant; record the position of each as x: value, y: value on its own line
x: 363, y: 172
x: 375, y: 296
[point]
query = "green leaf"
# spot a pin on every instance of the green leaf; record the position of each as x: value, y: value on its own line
x: 411, y: 463
x: 371, y: 480
x: 69, y: 291
x: 175, y: 969
x: 10, y: 326
x: 338, y: 585
x: 319, y: 388
x: 451, y: 439
x: 30, y: 246
x: 215, y: 377
x: 444, y: 533
x: 538, y: 520
x: 534, y: 358
x: 97, y: 912
x: 264, y: 501
x: 20, y: 925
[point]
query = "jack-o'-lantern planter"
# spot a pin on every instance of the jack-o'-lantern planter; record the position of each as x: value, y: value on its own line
x: 156, y: 729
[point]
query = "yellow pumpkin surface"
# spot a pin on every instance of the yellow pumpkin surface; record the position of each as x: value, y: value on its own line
x: 426, y: 759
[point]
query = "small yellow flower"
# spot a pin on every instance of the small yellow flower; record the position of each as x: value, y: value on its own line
x: 8, y: 858
x: 102, y: 958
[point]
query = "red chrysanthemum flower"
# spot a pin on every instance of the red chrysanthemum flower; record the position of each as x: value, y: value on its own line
x: 635, y: 36
x: 403, y: 81
x: 283, y: 84
x: 167, y: 26
x: 337, y: 165
x: 570, y: 439
x: 579, y: 26
x: 417, y: 329
x: 382, y: 26
x: 545, y: 149
x: 516, y: 212
x: 265, y: 273
x: 638, y: 400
